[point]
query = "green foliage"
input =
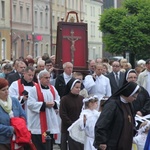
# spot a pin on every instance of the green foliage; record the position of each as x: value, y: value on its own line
x: 127, y: 28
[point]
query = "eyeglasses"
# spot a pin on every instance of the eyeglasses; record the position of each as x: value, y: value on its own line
x: 46, y: 77
x: 132, y: 77
x: 49, y: 65
x: 116, y: 66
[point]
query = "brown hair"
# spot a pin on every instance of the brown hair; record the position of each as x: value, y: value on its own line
x: 3, y: 83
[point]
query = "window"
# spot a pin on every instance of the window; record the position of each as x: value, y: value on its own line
x: 41, y: 49
x: 53, y: 21
x: 94, y: 11
x: 69, y: 4
x: 92, y: 29
x: 36, y: 50
x: 63, y: 3
x: 35, y: 21
x: 21, y: 13
x: 85, y: 9
x: 14, y: 12
x: 58, y: 19
x: 91, y: 11
x: 15, y: 50
x: 72, y: 4
x: 46, y: 20
x: 3, y: 52
x: 27, y: 9
x: 77, y: 5
x: 46, y: 48
x: 22, y: 47
x: 41, y: 19
x: 3, y: 9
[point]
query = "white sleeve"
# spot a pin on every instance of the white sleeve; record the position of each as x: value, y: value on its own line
x: 57, y: 97
x: 13, y: 90
x: 88, y: 82
x: 32, y: 102
x: 108, y: 90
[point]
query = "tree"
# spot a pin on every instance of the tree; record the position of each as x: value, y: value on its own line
x: 127, y: 29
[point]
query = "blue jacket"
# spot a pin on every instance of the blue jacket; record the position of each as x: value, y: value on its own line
x: 6, y: 130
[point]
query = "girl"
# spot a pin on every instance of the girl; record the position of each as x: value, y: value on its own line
x: 88, y: 118
x: 140, y: 139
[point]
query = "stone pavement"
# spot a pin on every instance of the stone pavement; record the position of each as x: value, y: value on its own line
x: 56, y: 147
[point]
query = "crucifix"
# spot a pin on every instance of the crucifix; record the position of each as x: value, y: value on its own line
x: 72, y: 39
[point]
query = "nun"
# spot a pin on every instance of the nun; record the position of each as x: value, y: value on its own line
x: 142, y: 103
x: 70, y: 109
x: 114, y: 129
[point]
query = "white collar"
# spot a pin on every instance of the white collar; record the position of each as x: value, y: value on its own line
x: 123, y: 100
x: 67, y: 76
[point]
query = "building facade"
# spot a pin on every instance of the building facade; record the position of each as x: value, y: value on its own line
x: 92, y: 12
x: 21, y: 27
x: 5, y: 34
x: 41, y: 27
x: 30, y: 26
x: 112, y: 3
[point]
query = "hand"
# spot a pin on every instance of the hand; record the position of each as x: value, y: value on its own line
x: 51, y: 69
x: 50, y: 104
x: 25, y: 97
x: 102, y: 146
x: 94, y: 76
x: 139, y: 113
x: 13, y: 130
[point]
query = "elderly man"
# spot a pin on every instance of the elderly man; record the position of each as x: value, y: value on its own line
x: 91, y: 66
x: 41, y: 64
x: 63, y: 79
x: 42, y: 102
x: 144, y: 77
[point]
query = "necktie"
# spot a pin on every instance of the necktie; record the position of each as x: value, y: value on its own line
x: 117, y: 79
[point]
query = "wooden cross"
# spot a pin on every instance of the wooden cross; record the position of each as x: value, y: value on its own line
x: 72, y: 39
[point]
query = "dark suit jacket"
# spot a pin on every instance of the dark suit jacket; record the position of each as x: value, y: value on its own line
x: 113, y: 83
x: 60, y: 85
x: 13, y: 71
x: 13, y: 77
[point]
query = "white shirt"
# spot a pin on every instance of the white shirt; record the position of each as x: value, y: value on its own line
x: 101, y: 87
x: 67, y: 77
x: 148, y: 83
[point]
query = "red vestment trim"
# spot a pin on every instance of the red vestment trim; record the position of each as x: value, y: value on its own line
x: 20, y: 87
x: 43, y: 121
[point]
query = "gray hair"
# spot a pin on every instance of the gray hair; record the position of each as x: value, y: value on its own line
x: 66, y: 63
x: 42, y: 73
x: 41, y: 62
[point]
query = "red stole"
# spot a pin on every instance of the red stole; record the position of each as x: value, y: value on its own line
x: 20, y: 87
x: 43, y: 121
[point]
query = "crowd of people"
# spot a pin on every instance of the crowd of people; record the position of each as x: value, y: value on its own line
x: 100, y: 105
